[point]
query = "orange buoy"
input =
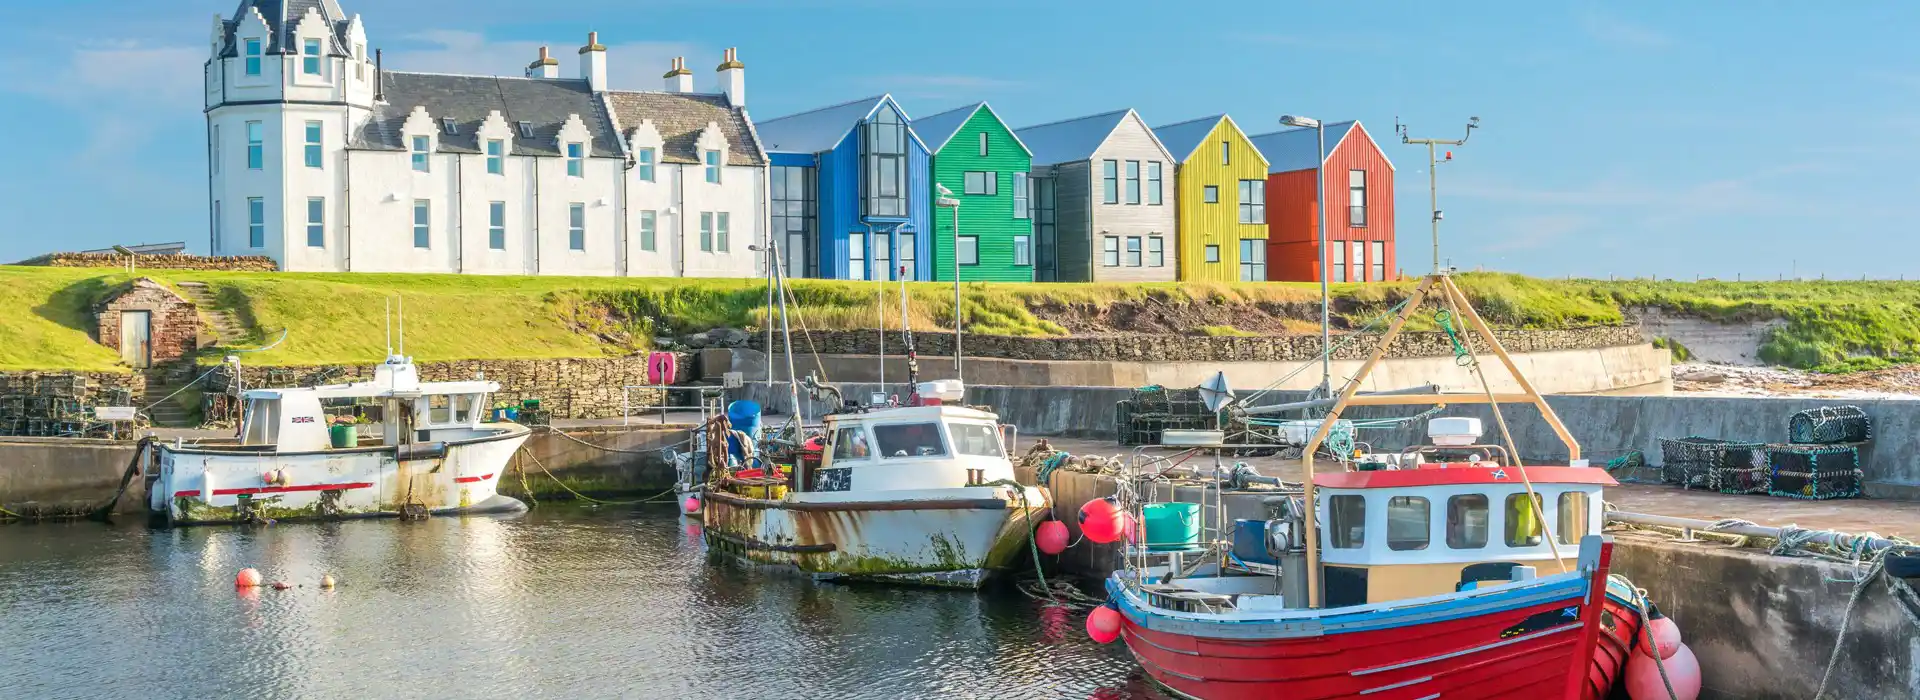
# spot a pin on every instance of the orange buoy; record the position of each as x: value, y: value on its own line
x: 247, y: 578
x: 1051, y: 537
x: 1100, y: 521
x: 1665, y: 634
x: 1683, y: 671
x: 1103, y: 624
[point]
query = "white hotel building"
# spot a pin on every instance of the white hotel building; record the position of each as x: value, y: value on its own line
x: 324, y: 162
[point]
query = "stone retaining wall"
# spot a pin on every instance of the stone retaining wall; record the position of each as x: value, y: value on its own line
x: 234, y: 263
x: 1163, y: 348
x: 569, y: 388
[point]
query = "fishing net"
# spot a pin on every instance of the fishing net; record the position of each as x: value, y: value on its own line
x: 1707, y: 463
x: 1828, y: 425
x: 1814, y: 472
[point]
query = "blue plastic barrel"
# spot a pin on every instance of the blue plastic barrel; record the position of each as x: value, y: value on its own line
x: 745, y: 417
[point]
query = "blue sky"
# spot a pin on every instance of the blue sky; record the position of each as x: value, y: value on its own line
x: 1628, y: 138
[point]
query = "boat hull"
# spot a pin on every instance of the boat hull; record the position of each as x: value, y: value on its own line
x: 202, y: 486
x: 939, y: 537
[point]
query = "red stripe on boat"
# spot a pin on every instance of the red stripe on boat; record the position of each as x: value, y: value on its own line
x: 472, y: 479
x: 190, y: 493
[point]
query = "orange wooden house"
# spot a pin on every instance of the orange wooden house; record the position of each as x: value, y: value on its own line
x: 1359, y: 205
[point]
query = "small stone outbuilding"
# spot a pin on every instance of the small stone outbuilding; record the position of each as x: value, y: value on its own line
x: 149, y: 323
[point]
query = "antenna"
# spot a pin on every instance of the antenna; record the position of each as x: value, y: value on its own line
x: 387, y: 314
x: 1433, y: 184
x: 401, y: 303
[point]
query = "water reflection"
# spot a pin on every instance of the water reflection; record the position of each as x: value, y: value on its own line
x: 561, y: 603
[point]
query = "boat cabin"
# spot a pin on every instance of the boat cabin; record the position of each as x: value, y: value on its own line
x: 919, y: 447
x: 407, y: 411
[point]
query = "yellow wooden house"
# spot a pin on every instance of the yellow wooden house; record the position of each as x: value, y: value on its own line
x: 1221, y: 186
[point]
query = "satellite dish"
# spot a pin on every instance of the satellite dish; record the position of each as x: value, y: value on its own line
x: 1214, y: 391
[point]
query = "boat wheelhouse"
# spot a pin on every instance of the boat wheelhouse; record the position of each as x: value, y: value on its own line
x: 300, y: 454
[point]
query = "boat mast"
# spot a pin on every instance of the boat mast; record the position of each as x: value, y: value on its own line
x: 786, y: 337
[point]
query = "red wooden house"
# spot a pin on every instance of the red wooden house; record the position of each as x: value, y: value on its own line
x: 1359, y: 205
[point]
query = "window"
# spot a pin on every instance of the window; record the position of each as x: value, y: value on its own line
x: 720, y: 232
x: 1046, y: 231
x: 1213, y: 254
x: 908, y: 267
x: 422, y: 223
x: 643, y: 164
x: 1210, y: 194
x: 850, y: 443
x: 448, y: 126
x: 1226, y: 153
x: 977, y: 440
x: 1339, y: 257
x: 216, y: 227
x: 1253, y: 260
x: 981, y: 183
x: 793, y: 217
x: 1253, y: 201
x: 886, y: 187
x: 526, y: 129
x: 1156, y: 251
x: 313, y: 144
x: 647, y: 230
x: 1133, y: 182
x: 1572, y: 524
x: 706, y: 232
x: 1133, y: 251
x: 1021, y: 197
x: 1356, y: 198
x: 1523, y: 520
x: 1379, y: 260
x: 712, y: 159
x: 253, y: 57
x: 1467, y: 522
x: 496, y: 157
x: 213, y: 146
x: 1022, y: 251
x: 1409, y: 521
x: 1110, y: 251
x: 882, y: 256
x: 256, y: 222
x: 1153, y: 182
x: 1349, y: 521
x: 256, y: 145
x: 316, y: 222
x: 1110, y: 181
x: 967, y: 249
x: 576, y: 226
x: 421, y: 145
x: 360, y: 61
x: 983, y: 144
x: 857, y: 255
x: 1359, y: 270
x: 576, y: 160
x: 310, y: 57
x: 909, y: 440
x: 497, y: 225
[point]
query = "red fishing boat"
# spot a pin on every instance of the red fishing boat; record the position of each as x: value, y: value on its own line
x: 1445, y: 571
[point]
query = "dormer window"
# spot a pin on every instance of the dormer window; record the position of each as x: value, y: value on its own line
x: 310, y: 57
x: 643, y: 163
x: 712, y: 160
x: 576, y: 159
x: 421, y: 146
x: 253, y: 56
x: 526, y: 130
x: 448, y: 127
x: 496, y: 157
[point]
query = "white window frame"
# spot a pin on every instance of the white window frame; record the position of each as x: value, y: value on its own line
x: 966, y: 249
x: 423, y: 224
x: 576, y: 159
x: 496, y: 156
x: 1022, y: 196
x: 316, y: 143
x: 316, y: 222
x: 1023, y: 251
x: 255, y: 54
x: 577, y: 226
x: 1358, y: 272
x: 649, y: 229
x: 706, y: 232
x: 723, y: 232
x: 256, y: 145
x: 857, y: 256
x: 643, y: 164
x: 310, y: 57
x: 256, y: 223
x: 711, y: 159
x: 496, y: 225
x: 420, y: 147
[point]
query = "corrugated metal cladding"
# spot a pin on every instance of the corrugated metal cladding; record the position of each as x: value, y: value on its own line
x: 988, y: 219
x: 1217, y: 224
x: 1292, y: 238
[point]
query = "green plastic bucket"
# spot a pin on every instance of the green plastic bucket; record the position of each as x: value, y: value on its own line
x: 343, y: 436
x: 1171, y: 526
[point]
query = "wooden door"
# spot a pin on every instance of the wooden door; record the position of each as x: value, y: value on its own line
x: 136, y: 338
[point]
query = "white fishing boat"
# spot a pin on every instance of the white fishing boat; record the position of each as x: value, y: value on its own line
x: 432, y: 454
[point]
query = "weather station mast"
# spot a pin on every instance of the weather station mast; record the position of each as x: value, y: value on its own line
x: 1433, y: 184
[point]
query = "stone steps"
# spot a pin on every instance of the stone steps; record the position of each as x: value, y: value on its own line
x: 227, y: 328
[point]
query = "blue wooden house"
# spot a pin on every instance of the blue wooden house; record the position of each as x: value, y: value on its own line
x: 849, y: 192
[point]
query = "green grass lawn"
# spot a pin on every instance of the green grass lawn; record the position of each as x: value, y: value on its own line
x: 46, y: 319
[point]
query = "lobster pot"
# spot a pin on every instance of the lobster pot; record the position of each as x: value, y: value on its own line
x: 1707, y: 463
x: 1828, y: 425
x: 1142, y: 418
x: 1815, y: 472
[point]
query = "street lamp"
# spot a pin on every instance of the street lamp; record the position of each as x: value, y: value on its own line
x: 1320, y: 199
x: 947, y: 201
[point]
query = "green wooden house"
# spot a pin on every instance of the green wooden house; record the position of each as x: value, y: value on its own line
x: 978, y: 159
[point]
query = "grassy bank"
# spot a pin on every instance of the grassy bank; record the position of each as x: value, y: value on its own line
x: 46, y: 317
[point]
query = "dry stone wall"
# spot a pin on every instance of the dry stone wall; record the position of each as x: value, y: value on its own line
x: 1170, y: 348
x: 235, y: 263
x: 570, y: 388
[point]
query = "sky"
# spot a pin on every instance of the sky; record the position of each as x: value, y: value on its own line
x: 1718, y: 139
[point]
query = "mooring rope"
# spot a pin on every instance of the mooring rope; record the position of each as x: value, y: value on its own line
x: 576, y: 494
x: 1646, y: 627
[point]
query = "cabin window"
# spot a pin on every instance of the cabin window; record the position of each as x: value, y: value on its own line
x: 1467, y: 522
x: 439, y: 409
x: 1573, y: 518
x: 977, y: 440
x: 850, y: 443
x: 909, y: 440
x: 1523, y: 520
x: 463, y: 406
x: 263, y: 422
x: 1409, y: 523
x: 1349, y: 521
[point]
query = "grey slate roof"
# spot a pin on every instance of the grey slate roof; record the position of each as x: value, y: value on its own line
x: 1298, y: 149
x: 1182, y: 137
x: 283, y: 17
x: 470, y: 98
x: 680, y: 117
x: 816, y: 130
x: 1070, y: 140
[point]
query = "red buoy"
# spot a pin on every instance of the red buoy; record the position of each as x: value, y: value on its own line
x: 1051, y: 537
x: 691, y: 505
x: 1643, y: 679
x: 1101, y: 521
x: 247, y: 578
x: 1666, y: 636
x: 1103, y: 624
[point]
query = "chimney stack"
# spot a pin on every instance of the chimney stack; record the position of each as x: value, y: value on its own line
x: 731, y: 77
x: 546, y: 67
x: 593, y: 63
x: 679, y: 79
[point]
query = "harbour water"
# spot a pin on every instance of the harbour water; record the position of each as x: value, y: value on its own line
x: 562, y: 602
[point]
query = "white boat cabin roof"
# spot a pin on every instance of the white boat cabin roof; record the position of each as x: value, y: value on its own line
x: 396, y: 378
x: 912, y: 413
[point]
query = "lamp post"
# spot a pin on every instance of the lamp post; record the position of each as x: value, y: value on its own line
x: 947, y: 201
x: 1320, y: 199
